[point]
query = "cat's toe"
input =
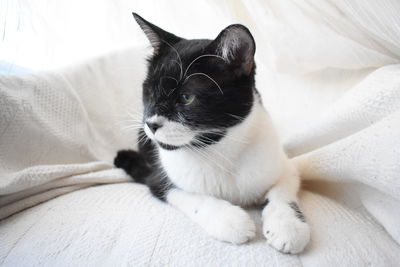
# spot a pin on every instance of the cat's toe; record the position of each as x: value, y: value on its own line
x: 290, y: 237
x: 285, y: 231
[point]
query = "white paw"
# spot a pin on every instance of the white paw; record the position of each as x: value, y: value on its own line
x: 229, y: 223
x: 284, y: 229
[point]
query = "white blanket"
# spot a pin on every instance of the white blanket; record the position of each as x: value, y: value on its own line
x: 329, y: 75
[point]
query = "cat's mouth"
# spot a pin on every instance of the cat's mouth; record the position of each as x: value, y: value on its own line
x: 171, y: 141
x: 169, y: 135
x: 206, y: 140
x: 168, y: 147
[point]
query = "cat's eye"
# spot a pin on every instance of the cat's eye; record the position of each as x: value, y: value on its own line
x: 186, y: 99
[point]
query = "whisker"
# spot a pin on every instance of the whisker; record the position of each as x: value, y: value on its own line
x: 127, y: 121
x: 236, y: 117
x: 197, y: 58
x: 206, y: 157
x: 201, y: 73
x: 217, y: 154
x: 131, y: 127
x: 170, y: 77
x: 142, y: 138
x: 179, y: 65
x: 179, y: 57
x: 162, y: 88
x: 202, y: 157
x: 204, y: 145
x: 170, y: 92
x: 216, y: 151
x: 223, y: 134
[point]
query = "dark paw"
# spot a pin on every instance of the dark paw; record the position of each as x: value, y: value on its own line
x: 133, y: 163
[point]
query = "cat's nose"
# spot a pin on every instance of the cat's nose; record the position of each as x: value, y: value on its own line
x: 153, y: 126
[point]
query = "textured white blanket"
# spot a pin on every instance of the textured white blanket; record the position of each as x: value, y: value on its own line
x: 329, y: 73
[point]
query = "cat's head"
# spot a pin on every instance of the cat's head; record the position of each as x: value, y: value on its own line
x: 195, y: 90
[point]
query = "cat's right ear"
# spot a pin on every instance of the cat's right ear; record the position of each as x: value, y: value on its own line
x: 158, y: 37
x: 236, y: 46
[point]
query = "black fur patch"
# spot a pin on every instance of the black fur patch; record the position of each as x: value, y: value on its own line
x: 297, y: 211
x: 143, y: 167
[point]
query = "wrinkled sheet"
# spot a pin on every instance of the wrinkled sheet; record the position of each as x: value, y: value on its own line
x: 328, y: 73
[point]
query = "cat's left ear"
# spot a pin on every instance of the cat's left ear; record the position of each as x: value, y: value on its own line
x: 237, y: 46
x: 158, y: 38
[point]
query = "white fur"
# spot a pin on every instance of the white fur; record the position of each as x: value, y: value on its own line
x: 282, y: 230
x: 217, y: 217
x: 245, y: 167
x: 235, y: 168
x: 171, y: 133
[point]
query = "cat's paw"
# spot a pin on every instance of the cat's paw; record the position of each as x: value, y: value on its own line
x: 230, y: 224
x: 285, y: 228
x: 133, y: 163
x: 126, y: 158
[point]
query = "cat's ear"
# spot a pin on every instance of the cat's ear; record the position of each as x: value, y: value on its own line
x: 158, y: 37
x: 236, y: 45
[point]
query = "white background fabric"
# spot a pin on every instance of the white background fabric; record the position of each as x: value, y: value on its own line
x: 328, y: 72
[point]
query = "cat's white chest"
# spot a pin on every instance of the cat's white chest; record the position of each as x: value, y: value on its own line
x: 242, y: 181
x: 237, y: 170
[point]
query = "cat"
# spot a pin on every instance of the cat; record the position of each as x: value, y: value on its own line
x: 207, y: 145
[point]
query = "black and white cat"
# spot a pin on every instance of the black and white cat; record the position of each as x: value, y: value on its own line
x: 212, y: 144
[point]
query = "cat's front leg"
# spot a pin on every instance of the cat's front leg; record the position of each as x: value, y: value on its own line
x: 217, y: 217
x: 284, y: 225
